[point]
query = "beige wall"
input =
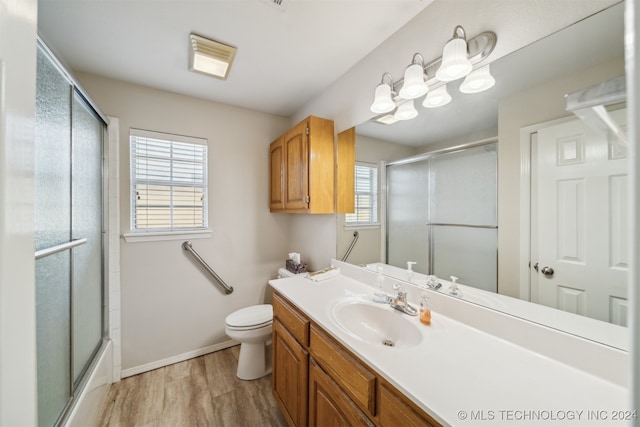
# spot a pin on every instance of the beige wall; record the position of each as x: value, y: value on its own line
x: 169, y: 307
x: 535, y: 105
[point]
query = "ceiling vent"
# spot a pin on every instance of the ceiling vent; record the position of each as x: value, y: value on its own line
x: 278, y: 4
x: 210, y: 57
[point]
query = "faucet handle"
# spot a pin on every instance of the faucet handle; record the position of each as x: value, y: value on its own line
x: 397, y: 287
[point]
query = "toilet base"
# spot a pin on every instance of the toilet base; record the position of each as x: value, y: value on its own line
x: 254, y: 361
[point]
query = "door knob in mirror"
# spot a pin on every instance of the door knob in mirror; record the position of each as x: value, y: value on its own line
x: 547, y: 271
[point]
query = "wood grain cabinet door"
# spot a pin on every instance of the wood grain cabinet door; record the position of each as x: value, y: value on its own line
x: 329, y: 406
x: 290, y: 375
x: 276, y: 182
x: 296, y: 145
x: 397, y: 410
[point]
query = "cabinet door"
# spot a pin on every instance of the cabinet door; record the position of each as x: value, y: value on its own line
x: 290, y: 375
x: 397, y: 410
x: 345, y: 171
x: 328, y: 405
x: 296, y: 145
x: 277, y: 164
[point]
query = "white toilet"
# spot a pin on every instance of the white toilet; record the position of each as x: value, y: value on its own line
x: 252, y: 326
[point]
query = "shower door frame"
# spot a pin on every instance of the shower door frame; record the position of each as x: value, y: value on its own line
x: 77, y: 386
x: 384, y: 250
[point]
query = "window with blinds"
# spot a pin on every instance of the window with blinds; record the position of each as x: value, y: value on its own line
x: 366, y: 193
x: 168, y: 182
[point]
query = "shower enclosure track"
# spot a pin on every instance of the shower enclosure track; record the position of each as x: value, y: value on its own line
x: 189, y: 248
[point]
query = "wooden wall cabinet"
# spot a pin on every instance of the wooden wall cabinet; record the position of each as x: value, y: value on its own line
x: 303, y: 169
x: 318, y: 382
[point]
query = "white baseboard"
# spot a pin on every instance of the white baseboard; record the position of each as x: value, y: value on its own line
x: 178, y: 358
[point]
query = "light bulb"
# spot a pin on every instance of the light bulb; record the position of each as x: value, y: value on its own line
x: 414, y: 85
x: 437, y: 98
x: 382, y: 102
x: 478, y: 81
x: 455, y: 63
x: 406, y: 111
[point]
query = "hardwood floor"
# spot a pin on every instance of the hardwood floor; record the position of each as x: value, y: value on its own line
x: 199, y: 392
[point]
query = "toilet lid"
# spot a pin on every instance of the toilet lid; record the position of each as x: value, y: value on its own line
x: 256, y: 315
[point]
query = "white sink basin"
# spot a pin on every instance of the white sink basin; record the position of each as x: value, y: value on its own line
x: 376, y: 323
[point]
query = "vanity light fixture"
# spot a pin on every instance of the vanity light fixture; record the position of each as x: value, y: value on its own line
x: 383, y: 103
x: 478, y: 81
x: 458, y: 59
x: 455, y: 62
x: 414, y: 85
x: 210, y: 57
x: 437, y: 97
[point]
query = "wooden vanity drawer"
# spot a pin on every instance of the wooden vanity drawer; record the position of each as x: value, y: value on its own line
x: 356, y: 380
x: 295, y: 322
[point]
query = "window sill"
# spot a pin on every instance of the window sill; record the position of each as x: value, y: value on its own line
x: 361, y: 226
x: 158, y: 236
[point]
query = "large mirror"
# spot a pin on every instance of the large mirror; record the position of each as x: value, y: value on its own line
x: 505, y: 124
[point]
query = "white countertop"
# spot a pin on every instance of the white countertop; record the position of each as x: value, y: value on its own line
x: 463, y: 376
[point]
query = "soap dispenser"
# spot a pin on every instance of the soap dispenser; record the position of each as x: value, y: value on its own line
x: 425, y: 309
x: 453, y: 289
x: 410, y: 265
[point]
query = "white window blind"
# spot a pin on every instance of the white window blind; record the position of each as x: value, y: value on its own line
x: 366, y: 193
x: 168, y: 182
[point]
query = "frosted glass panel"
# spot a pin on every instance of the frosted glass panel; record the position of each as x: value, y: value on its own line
x: 52, y: 156
x: 463, y: 187
x: 87, y: 223
x: 407, y: 215
x: 53, y: 335
x: 467, y: 253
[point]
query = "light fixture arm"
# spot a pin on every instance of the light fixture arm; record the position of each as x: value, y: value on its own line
x: 459, y: 33
x: 417, y: 59
x: 389, y: 81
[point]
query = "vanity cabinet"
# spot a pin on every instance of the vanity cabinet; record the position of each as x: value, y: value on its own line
x: 329, y: 405
x: 318, y: 382
x: 397, y: 410
x: 290, y: 361
x: 303, y: 164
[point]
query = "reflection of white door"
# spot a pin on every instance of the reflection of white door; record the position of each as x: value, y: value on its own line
x: 582, y: 256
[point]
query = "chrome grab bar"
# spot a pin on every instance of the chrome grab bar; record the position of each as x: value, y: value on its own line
x: 356, y: 235
x: 60, y: 248
x: 187, y: 247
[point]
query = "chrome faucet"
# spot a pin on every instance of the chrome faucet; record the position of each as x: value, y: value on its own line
x: 400, y: 301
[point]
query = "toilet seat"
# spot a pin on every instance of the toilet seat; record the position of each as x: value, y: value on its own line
x: 248, y: 318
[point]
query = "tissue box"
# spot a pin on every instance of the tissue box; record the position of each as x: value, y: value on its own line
x: 296, y: 268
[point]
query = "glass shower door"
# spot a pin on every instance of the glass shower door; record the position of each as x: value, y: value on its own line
x: 52, y: 228
x: 68, y: 239
x: 86, y: 223
x: 407, y: 215
x: 463, y: 216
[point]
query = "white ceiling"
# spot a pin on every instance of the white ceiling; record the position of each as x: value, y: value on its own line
x: 285, y: 57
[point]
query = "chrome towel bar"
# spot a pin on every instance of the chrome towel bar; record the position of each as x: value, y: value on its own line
x: 59, y: 248
x: 187, y: 247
